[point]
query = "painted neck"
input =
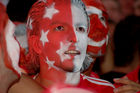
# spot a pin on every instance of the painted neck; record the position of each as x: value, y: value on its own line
x: 49, y: 77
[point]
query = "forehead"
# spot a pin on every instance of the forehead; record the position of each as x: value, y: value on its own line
x: 78, y: 16
x: 66, y: 12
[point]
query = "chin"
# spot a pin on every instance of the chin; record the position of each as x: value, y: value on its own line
x: 76, y: 70
x: 72, y: 70
x: 68, y: 69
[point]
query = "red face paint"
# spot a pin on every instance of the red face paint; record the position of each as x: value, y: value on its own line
x: 59, y: 33
x: 98, y: 27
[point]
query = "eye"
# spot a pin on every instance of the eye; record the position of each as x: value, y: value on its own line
x: 80, y: 29
x: 59, y: 28
x: 102, y: 18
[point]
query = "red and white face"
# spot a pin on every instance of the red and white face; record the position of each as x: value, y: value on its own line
x: 63, y: 36
x: 97, y: 37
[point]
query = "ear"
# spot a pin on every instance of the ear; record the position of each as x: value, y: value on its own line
x: 35, y: 44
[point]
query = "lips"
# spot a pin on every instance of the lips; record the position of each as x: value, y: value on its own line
x: 72, y: 52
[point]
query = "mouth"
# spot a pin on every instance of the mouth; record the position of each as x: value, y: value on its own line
x: 72, y: 52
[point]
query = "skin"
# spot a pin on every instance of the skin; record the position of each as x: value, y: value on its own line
x: 22, y: 86
x: 128, y: 86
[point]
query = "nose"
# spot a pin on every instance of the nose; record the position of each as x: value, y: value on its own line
x: 72, y: 37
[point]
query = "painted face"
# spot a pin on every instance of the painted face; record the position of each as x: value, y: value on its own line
x: 97, y: 37
x: 64, y: 36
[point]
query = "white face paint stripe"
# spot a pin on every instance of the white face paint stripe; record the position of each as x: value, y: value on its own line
x: 63, y: 48
x: 93, y: 10
x: 50, y: 11
x: 12, y: 46
x: 96, y: 44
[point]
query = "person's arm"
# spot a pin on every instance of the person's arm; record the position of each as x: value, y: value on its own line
x: 26, y: 85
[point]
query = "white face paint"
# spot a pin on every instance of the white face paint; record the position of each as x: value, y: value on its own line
x: 93, y: 10
x: 79, y: 21
x: 97, y: 44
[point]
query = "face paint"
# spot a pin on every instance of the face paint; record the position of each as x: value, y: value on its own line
x: 63, y: 35
x: 97, y: 37
x: 80, y: 28
x: 98, y: 28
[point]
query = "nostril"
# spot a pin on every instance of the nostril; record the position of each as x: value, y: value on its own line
x: 73, y: 39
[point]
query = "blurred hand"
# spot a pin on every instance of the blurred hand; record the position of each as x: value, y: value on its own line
x: 128, y: 86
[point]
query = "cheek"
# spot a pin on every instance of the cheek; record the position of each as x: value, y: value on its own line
x: 82, y: 40
x: 93, y: 50
x: 97, y: 48
x: 98, y: 33
x: 97, y: 30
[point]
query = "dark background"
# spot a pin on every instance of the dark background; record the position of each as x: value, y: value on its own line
x: 18, y: 9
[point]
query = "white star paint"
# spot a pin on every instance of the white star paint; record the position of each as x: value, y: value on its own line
x: 50, y: 11
x: 63, y: 48
x: 51, y: 64
x: 44, y: 38
x: 29, y: 23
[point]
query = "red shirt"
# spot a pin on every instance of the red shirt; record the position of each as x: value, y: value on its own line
x: 95, y: 84
x: 134, y: 76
